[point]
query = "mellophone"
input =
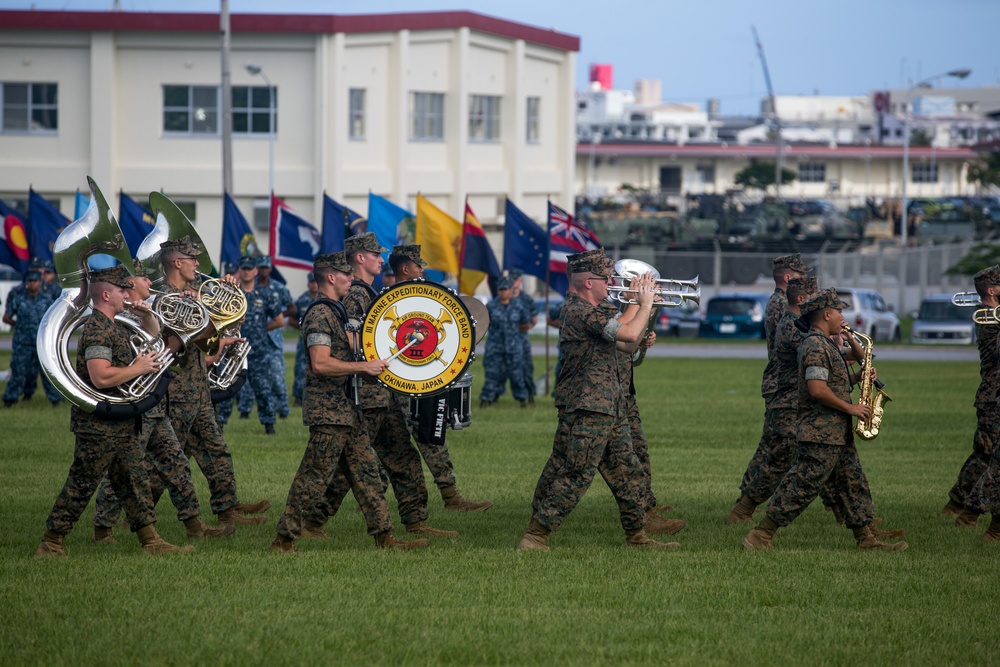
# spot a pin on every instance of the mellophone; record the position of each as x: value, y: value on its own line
x: 428, y: 335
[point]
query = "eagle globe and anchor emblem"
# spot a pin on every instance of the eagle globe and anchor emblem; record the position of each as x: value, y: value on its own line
x: 427, y: 331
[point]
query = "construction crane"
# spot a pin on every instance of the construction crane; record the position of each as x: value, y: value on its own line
x: 774, y: 113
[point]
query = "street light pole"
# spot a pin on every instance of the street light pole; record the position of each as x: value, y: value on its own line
x: 257, y: 70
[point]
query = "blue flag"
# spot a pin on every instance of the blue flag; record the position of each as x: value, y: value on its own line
x: 237, y: 237
x: 525, y: 244
x: 44, y: 224
x: 82, y: 202
x: 294, y: 242
x: 136, y: 222
x: 390, y: 223
x: 336, y: 219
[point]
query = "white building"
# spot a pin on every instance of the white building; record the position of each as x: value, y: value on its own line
x: 446, y: 104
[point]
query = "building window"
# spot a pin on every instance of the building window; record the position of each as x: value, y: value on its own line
x: 924, y: 172
x: 356, y: 114
x: 531, y: 129
x: 191, y: 109
x: 812, y: 172
x: 426, y: 116
x: 253, y: 111
x: 30, y: 108
x: 484, y: 118
x: 706, y: 174
x: 262, y: 214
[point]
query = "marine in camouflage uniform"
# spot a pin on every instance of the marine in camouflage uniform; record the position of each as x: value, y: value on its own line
x: 263, y: 316
x: 384, y: 421
x: 277, y: 351
x: 26, y: 306
x: 593, y: 433
x: 104, y: 446
x: 164, y: 460
x: 984, y: 442
x: 190, y: 400
x: 784, y: 268
x: 825, y: 435
x: 527, y: 361
x: 503, y: 358
x: 338, y: 440
x: 301, y: 304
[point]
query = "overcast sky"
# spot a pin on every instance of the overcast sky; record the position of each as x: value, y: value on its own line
x: 704, y: 48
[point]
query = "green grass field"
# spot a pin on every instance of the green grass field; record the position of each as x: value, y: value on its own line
x: 814, y: 599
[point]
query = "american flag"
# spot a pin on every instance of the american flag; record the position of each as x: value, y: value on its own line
x: 567, y: 236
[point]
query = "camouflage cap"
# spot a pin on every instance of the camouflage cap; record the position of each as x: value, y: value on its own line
x: 264, y: 262
x: 139, y: 269
x: 49, y: 265
x: 33, y: 274
x: 116, y: 275
x: 387, y: 270
x: 988, y: 276
x: 807, y: 284
x: 515, y: 274
x: 504, y: 282
x: 792, y: 262
x: 248, y: 262
x: 410, y: 252
x: 591, y: 261
x: 366, y: 241
x: 185, y: 245
x: 229, y: 268
x: 36, y: 263
x: 310, y: 277
x: 333, y: 260
x: 825, y: 299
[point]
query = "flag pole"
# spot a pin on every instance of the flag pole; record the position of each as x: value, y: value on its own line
x: 548, y: 269
x: 461, y: 253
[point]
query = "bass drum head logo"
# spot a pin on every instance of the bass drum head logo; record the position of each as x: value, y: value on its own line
x: 428, y: 329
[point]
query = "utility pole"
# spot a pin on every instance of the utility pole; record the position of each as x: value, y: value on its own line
x: 227, y: 101
x: 774, y: 114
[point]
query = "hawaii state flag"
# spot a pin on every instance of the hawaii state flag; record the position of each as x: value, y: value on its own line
x: 567, y: 236
x: 294, y: 242
x: 14, y: 249
x: 478, y: 260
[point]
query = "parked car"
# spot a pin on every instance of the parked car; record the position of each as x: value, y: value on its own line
x: 680, y: 322
x: 941, y: 321
x: 735, y: 315
x: 869, y: 314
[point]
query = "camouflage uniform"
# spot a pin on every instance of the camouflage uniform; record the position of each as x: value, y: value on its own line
x: 193, y: 420
x: 276, y: 352
x: 27, y: 311
x: 338, y: 440
x: 301, y: 304
x: 436, y: 456
x: 593, y: 433
x: 262, y: 307
x: 528, y: 363
x: 826, y: 450
x: 984, y: 442
x: 504, y: 355
x: 103, y: 447
x: 389, y: 433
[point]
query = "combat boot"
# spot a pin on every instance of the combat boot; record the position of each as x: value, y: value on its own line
x: 867, y: 540
x: 535, y: 537
x: 52, y: 545
x: 386, y: 540
x: 660, y: 525
x: 103, y: 535
x: 639, y: 538
x: 742, y: 512
x: 762, y: 534
x: 992, y: 533
x: 664, y: 509
x: 878, y: 532
x: 421, y: 528
x: 312, y: 530
x: 252, y: 508
x: 966, y: 518
x: 231, y: 516
x: 454, y: 502
x: 195, y: 527
x: 152, y: 543
x: 283, y: 546
x: 953, y: 507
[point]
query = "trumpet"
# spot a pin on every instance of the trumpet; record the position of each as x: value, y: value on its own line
x: 966, y: 299
x: 670, y: 293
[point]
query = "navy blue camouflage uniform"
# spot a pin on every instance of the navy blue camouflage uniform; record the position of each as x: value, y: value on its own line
x: 277, y: 352
x: 528, y: 363
x: 262, y: 307
x: 299, y: 381
x: 27, y: 311
x: 504, y: 355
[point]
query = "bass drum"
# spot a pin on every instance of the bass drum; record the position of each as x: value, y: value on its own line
x: 431, y: 416
x: 427, y: 329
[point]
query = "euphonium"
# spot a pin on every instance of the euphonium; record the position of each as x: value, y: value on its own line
x: 871, y: 391
x: 219, y: 305
x: 96, y: 231
x: 227, y: 368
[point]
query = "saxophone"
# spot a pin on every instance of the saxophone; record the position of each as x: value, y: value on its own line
x: 871, y: 391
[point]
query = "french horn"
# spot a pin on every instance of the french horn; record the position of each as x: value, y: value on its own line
x: 95, y: 232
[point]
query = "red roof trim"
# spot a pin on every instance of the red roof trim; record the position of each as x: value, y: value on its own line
x: 767, y: 151
x: 290, y: 23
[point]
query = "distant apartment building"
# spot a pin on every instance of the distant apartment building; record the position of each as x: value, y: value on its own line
x: 451, y: 105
